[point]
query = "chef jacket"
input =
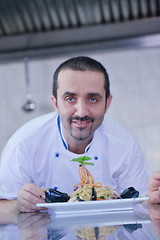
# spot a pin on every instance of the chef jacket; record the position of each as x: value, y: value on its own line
x: 37, y: 153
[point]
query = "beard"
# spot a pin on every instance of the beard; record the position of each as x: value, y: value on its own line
x: 81, y: 133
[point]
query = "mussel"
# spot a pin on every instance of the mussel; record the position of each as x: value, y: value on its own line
x: 129, y: 192
x: 132, y: 227
x: 53, y: 195
x: 94, y: 194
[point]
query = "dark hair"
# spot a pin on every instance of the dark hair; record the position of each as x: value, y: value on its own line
x: 81, y: 63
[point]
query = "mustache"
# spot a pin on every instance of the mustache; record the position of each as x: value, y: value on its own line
x: 86, y: 118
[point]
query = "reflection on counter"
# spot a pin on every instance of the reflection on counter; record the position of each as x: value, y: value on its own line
x: 142, y: 223
x: 95, y: 233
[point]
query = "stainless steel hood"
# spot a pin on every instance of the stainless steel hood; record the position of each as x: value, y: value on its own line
x: 42, y: 28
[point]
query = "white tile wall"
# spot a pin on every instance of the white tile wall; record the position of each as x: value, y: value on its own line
x: 135, y: 86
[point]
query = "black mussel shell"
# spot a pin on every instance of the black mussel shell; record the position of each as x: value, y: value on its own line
x: 94, y: 194
x: 130, y: 192
x: 132, y: 227
x: 53, y: 195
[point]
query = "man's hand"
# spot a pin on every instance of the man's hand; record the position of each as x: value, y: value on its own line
x: 28, y: 196
x: 154, y: 187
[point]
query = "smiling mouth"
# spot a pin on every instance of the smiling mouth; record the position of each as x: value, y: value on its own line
x: 82, y: 122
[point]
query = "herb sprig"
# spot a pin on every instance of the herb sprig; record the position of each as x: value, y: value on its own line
x: 83, y: 160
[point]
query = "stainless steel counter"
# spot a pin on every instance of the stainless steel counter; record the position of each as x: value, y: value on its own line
x: 141, y: 223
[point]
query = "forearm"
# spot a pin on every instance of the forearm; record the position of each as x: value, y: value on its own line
x: 8, y: 211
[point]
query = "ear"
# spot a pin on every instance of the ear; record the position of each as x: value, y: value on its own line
x: 108, y: 103
x: 54, y: 103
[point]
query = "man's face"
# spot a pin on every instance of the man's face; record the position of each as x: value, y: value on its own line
x: 81, y: 103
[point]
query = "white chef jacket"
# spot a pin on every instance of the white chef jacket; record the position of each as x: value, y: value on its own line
x: 37, y: 153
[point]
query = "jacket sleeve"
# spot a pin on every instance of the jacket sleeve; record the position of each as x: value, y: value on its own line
x: 134, y: 171
x: 14, y: 170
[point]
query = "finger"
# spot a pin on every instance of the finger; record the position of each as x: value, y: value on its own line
x: 26, y: 202
x: 156, y: 175
x: 153, y: 184
x: 32, y: 194
x: 31, y: 198
x: 154, y: 196
x: 35, y: 190
x: 30, y: 201
x: 154, y: 211
x: 28, y: 197
x: 29, y: 209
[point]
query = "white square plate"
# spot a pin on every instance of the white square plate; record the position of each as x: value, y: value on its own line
x: 93, y: 206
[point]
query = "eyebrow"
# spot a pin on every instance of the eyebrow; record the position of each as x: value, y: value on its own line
x: 69, y: 93
x: 94, y: 94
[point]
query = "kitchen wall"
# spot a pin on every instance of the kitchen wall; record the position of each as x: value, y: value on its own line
x: 135, y: 86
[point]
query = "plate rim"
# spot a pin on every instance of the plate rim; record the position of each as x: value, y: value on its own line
x: 92, y: 203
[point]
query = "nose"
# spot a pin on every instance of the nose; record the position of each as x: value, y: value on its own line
x: 82, y: 108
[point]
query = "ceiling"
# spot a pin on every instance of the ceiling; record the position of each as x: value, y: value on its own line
x: 42, y: 28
